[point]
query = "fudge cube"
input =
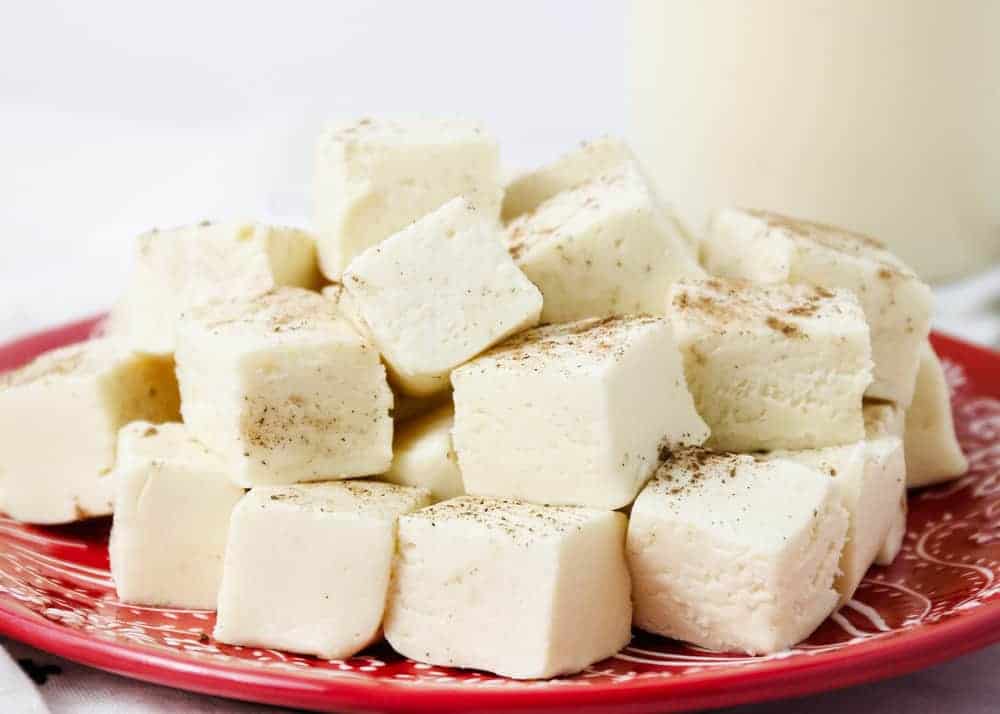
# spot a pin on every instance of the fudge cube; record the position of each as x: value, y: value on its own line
x: 591, y: 159
x: 183, y: 267
x: 374, y: 177
x: 520, y: 590
x: 173, y: 500
x: 770, y: 248
x: 933, y: 454
x: 59, y: 422
x: 732, y: 553
x: 422, y: 455
x: 606, y: 247
x: 773, y: 367
x: 284, y: 389
x: 438, y: 293
x: 870, y: 479
x: 307, y: 567
x: 884, y: 420
x: 574, y: 414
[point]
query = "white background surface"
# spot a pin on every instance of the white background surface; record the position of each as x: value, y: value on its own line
x: 116, y: 117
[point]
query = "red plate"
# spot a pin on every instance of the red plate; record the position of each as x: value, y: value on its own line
x: 941, y: 598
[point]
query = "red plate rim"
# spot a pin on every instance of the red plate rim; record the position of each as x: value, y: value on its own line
x: 909, y: 650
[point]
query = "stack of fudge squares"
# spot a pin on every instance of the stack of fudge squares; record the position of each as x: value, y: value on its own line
x: 497, y: 424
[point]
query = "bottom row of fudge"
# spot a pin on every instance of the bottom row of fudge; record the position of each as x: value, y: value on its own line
x: 744, y: 552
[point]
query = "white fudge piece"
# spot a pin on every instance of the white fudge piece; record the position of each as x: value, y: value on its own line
x: 524, y: 591
x: 933, y: 454
x: 307, y: 567
x: 773, y: 367
x: 59, y: 422
x: 885, y: 420
x: 173, y: 500
x: 604, y: 248
x: 528, y: 190
x: 869, y: 477
x: 574, y: 414
x: 284, y: 389
x: 374, y: 177
x: 180, y: 268
x: 770, y: 248
x: 438, y: 293
x: 731, y: 553
x: 422, y: 455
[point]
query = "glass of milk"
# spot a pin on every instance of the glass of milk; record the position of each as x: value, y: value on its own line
x: 882, y: 116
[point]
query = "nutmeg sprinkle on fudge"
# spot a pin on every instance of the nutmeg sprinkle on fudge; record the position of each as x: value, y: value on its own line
x: 770, y: 248
x: 773, y: 367
x: 573, y: 414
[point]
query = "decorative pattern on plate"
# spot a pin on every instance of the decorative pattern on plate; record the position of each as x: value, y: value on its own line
x: 950, y: 563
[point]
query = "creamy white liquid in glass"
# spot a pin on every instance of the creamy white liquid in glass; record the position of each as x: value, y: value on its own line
x: 879, y: 115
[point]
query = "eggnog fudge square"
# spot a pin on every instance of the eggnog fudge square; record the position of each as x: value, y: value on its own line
x: 173, y: 500
x: 731, y: 553
x: 771, y: 367
x: 179, y: 268
x: 283, y: 389
x: 438, y: 293
x: 573, y: 414
x: 529, y: 189
x: 307, y: 567
x: 933, y: 454
x: 606, y: 247
x: 869, y: 477
x: 521, y: 590
x: 422, y: 455
x: 770, y: 248
x: 59, y: 422
x: 374, y: 177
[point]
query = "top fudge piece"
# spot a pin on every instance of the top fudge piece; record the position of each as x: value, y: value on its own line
x: 284, y: 389
x: 527, y: 191
x: 179, y: 268
x: 770, y: 248
x: 573, y: 414
x: 731, y: 553
x: 59, y: 422
x: 606, y: 247
x: 779, y: 367
x: 374, y: 177
x: 933, y: 454
x: 438, y: 293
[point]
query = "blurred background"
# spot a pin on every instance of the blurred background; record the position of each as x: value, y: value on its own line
x: 117, y: 117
